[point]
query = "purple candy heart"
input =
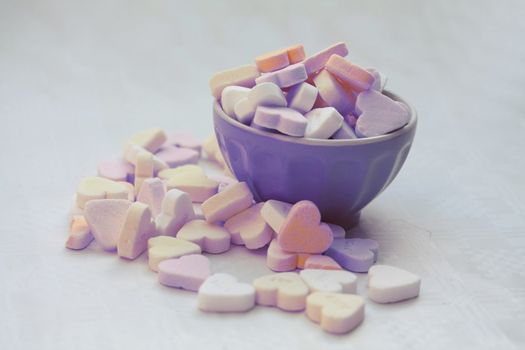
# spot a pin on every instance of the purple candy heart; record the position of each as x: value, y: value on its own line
x: 378, y: 114
x: 286, y: 77
x: 354, y: 254
x: 286, y: 120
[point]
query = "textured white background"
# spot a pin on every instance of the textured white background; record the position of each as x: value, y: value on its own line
x: 78, y: 77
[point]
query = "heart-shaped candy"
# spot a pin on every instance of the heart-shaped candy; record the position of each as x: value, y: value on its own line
x: 379, y: 79
x: 337, y: 313
x: 316, y: 62
x: 79, y: 234
x: 105, y: 218
x: 166, y: 174
x: 322, y: 122
x: 185, y: 140
x: 286, y: 77
x: 99, y: 188
x: 222, y: 292
x: 303, y: 232
x: 150, y: 139
x: 195, y: 183
x: 249, y: 228
x: 354, y: 77
x: 321, y: 262
x: 161, y: 249
x: 176, y: 210
x: 116, y: 170
x: 152, y: 193
x: 285, y: 290
x: 227, y: 203
x: 334, y: 281
x: 239, y: 76
x: 177, y: 156
x: 137, y: 229
x: 230, y: 96
x: 337, y: 231
x: 389, y: 284
x: 378, y: 114
x: 265, y: 94
x: 302, y: 97
x: 285, y: 120
x: 332, y: 93
x: 354, y: 254
x: 210, y: 237
x: 274, y: 212
x: 278, y: 260
x: 187, y: 272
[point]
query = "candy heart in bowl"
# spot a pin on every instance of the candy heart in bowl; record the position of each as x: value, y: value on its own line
x: 340, y: 176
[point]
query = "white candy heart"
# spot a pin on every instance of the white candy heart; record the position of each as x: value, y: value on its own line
x: 176, y: 210
x: 264, y: 94
x: 301, y: 97
x: 389, y: 284
x: 152, y: 193
x: 150, y: 139
x: 105, y: 218
x: 137, y: 229
x: 334, y: 281
x: 163, y: 247
x: 222, y: 292
x: 337, y: 313
x: 322, y: 122
x: 230, y: 96
x: 285, y: 290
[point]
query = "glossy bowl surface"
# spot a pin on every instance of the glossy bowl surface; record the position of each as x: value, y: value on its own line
x: 340, y: 176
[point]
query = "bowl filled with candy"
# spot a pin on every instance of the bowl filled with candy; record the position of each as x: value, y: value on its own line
x: 318, y: 128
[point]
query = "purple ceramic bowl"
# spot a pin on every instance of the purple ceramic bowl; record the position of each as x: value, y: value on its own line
x: 340, y: 176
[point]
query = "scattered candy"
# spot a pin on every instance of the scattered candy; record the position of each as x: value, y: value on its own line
x: 137, y: 229
x: 354, y: 254
x: 184, y: 140
x: 143, y: 169
x: 286, y: 290
x: 150, y: 139
x: 274, y: 212
x: 388, y: 284
x: 196, y: 184
x: 210, y: 237
x: 229, y: 202
x: 333, y: 281
x: 337, y: 313
x: 95, y: 187
x: 116, y: 170
x: 152, y: 192
x: 177, y: 156
x: 187, y: 272
x: 176, y: 210
x: 322, y: 262
x: 222, y: 292
x: 303, y: 232
x: 249, y: 228
x: 79, y: 233
x: 168, y: 248
x: 105, y: 218
x: 240, y: 76
x: 278, y: 260
x: 131, y: 152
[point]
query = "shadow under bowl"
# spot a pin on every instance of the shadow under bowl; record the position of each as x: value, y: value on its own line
x: 340, y: 176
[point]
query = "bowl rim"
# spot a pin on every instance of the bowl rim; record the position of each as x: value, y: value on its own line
x: 324, y: 142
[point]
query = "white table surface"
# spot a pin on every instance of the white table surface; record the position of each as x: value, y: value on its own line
x: 78, y: 77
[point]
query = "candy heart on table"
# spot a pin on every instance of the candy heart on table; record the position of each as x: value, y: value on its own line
x: 152, y: 193
x: 161, y: 249
x: 274, y: 212
x: 285, y: 290
x: 378, y: 114
x: 303, y: 232
x: 278, y: 260
x: 196, y: 184
x: 224, y: 181
x: 302, y: 97
x: 332, y: 93
x: 95, y: 187
x: 222, y: 292
x: 322, y: 262
x: 227, y: 203
x: 79, y: 234
x: 137, y: 229
x: 210, y: 237
x: 190, y: 168
x: 379, y: 79
x: 322, y: 122
x: 354, y: 254
x: 239, y: 76
x: 116, y: 170
x: 318, y: 60
x: 389, y: 284
x: 285, y: 120
x: 105, y: 218
x: 131, y: 190
x: 249, y: 228
x: 150, y: 139
x: 131, y: 152
x: 334, y: 281
x: 230, y: 96
x: 183, y: 139
x: 177, y: 156
x: 337, y: 313
x: 286, y: 77
x: 144, y: 169
x: 187, y: 272
x: 176, y: 210
x: 264, y: 94
x: 354, y: 77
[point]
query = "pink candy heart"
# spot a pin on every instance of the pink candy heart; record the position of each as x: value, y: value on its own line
x: 187, y: 272
x: 378, y: 114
